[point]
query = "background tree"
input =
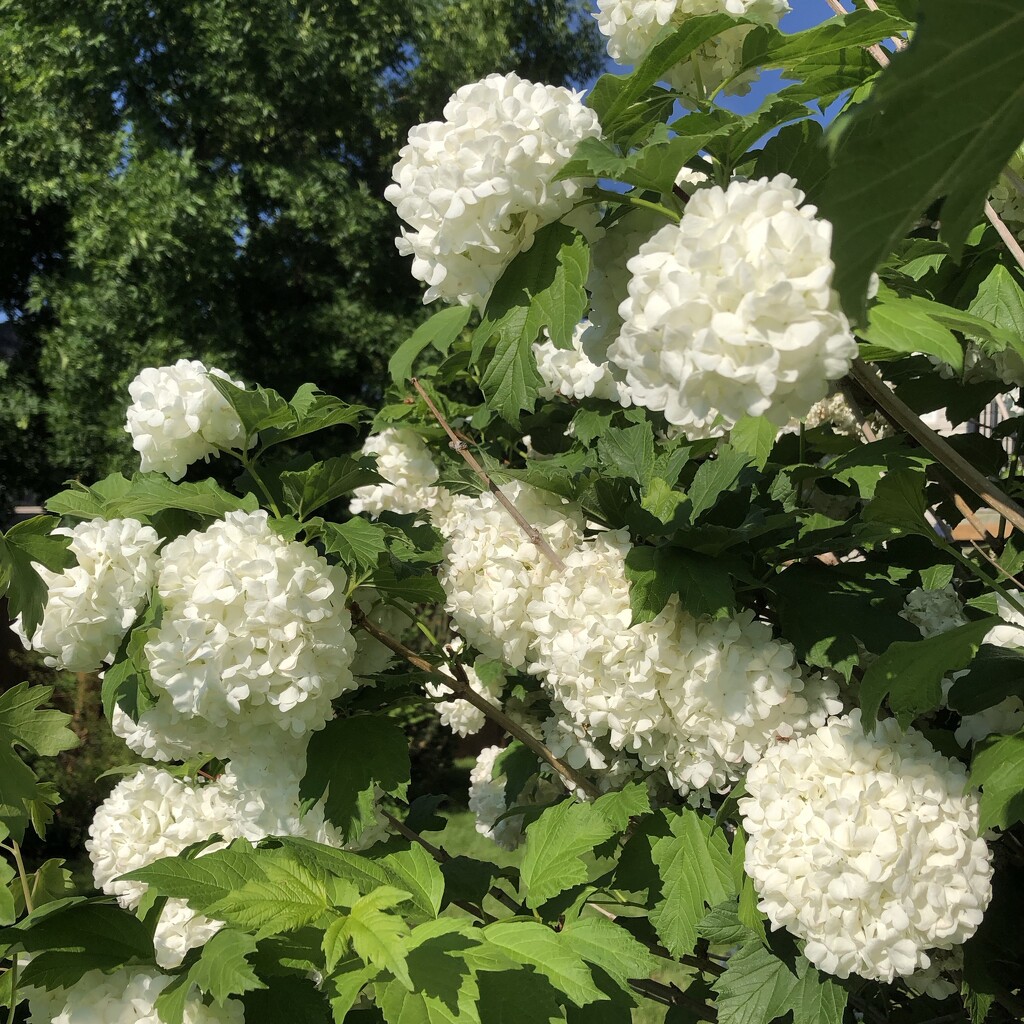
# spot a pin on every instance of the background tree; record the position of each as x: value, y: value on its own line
x: 197, y: 179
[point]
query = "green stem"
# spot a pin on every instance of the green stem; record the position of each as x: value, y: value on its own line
x: 15, y: 851
x: 250, y: 465
x: 600, y: 194
x: 13, y: 1009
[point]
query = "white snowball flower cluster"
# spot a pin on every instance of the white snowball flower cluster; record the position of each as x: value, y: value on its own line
x: 463, y: 718
x: 634, y: 27
x: 836, y: 411
x: 403, y: 460
x: 475, y: 187
x: 127, y: 996
x: 866, y: 847
x: 934, y: 611
x: 569, y: 372
x: 151, y: 815
x: 178, y: 417
x: 732, y: 312
x: 492, y: 570
x: 487, y: 801
x: 254, y: 627
x: 90, y: 605
x: 700, y: 699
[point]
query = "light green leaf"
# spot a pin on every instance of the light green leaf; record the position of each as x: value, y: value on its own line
x: 900, y: 325
x: 609, y: 946
x: 374, y: 934
x: 8, y: 911
x: 693, y: 865
x: 50, y: 882
x: 418, y: 872
x: 756, y: 987
x: 919, y: 136
x: 357, y: 542
x: 151, y: 493
x: 998, y: 768
x: 257, y: 409
x: 223, y: 969
x: 754, y: 436
x: 348, y: 760
x: 629, y: 452
x: 440, y: 331
x: 529, y: 942
x: 816, y: 998
x: 557, y: 840
x: 912, y: 673
x: 714, y: 478
x: 1000, y: 301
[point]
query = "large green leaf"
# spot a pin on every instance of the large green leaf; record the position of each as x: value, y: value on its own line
x: 756, y: 987
x: 25, y: 543
x: 307, y: 489
x: 693, y: 866
x: 609, y: 946
x: 943, y: 120
x: 994, y: 674
x: 312, y: 410
x: 998, y: 768
x: 558, y: 839
x: 374, y: 933
x: 655, y: 574
x: 349, y: 760
x: 440, y: 331
x: 912, y: 673
x: 258, y: 409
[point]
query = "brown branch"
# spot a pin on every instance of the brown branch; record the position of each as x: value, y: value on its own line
x: 464, y: 691
x: 1008, y: 237
x: 462, y: 448
x: 881, y: 57
x: 898, y: 41
x: 904, y: 417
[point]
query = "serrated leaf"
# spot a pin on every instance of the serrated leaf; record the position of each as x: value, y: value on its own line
x: 50, y: 882
x: 557, y: 840
x: 348, y: 760
x: 714, y: 478
x: 994, y: 674
x: 440, y: 331
x: 899, y: 503
x: 223, y: 969
x: 257, y: 409
x: 693, y: 865
x: 998, y: 768
x: 754, y: 437
x: 755, y: 988
x: 312, y: 410
x: 418, y: 872
x: 911, y: 674
x: 655, y: 574
x: 374, y: 934
x: 721, y: 926
x: 919, y: 136
x: 1000, y: 301
x: 151, y: 493
x: 532, y: 943
x: 900, y: 325
x: 609, y: 946
x: 357, y: 541
x: 816, y: 998
x: 629, y: 452
x: 25, y: 543
x: 307, y: 490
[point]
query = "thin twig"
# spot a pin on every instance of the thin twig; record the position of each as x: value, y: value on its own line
x: 464, y: 691
x: 903, y: 416
x: 463, y: 449
x: 965, y: 510
x: 1008, y: 237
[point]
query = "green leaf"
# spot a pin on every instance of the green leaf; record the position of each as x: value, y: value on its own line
x: 258, y: 409
x: 629, y: 452
x: 348, y: 760
x: 919, y: 136
x: 900, y: 325
x: 440, y: 331
x: 50, y: 882
x: 754, y: 437
x: 1000, y: 301
x: 511, y: 997
x: 25, y: 543
x: 994, y: 674
x: 899, y: 503
x: 265, y: 891
x: 998, y: 768
x: 416, y: 871
x: 72, y: 937
x: 374, y: 934
x: 693, y: 865
x: 721, y: 926
x: 609, y: 946
x: 307, y: 490
x: 312, y: 410
x: 714, y: 478
x: 357, y: 542
x: 655, y: 574
x: 542, y: 287
x: 23, y: 724
x: 557, y: 840
x: 151, y: 493
x: 798, y: 150
x: 756, y: 987
x: 8, y: 911
x: 816, y: 998
x: 912, y: 673
x: 548, y: 952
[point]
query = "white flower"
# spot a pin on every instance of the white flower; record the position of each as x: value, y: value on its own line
x: 732, y: 312
x: 492, y: 569
x: 147, y: 816
x: 634, y: 27
x: 254, y: 627
x: 459, y: 715
x: 403, y: 460
x: 164, y: 734
x: 866, y: 847
x: 126, y: 996
x: 487, y: 802
x: 570, y: 373
x: 178, y: 417
x: 91, y: 605
x: 700, y: 699
x: 837, y: 412
x: 475, y: 187
x: 934, y: 611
